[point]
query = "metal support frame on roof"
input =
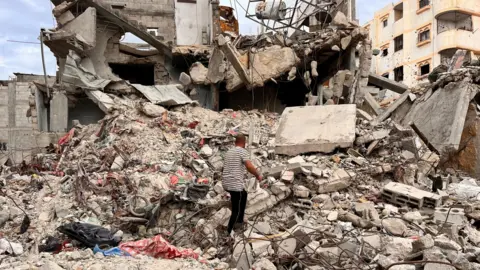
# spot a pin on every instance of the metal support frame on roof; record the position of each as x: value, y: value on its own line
x: 288, y: 22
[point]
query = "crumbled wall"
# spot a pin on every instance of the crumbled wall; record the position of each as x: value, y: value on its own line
x: 16, y: 129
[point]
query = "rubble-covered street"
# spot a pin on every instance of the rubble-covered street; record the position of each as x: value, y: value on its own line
x: 365, y: 174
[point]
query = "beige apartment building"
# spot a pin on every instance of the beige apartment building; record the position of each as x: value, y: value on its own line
x: 415, y: 36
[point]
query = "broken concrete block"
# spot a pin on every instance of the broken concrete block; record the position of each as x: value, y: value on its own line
x: 184, y: 79
x: 394, y: 226
x: 354, y: 219
x: 288, y: 176
x: 414, y: 216
x: 65, y: 18
x: 242, y: 254
x: 264, y: 264
x: 332, y: 216
x: 373, y: 136
x: 340, y: 20
x: 152, y: 110
x: 445, y: 243
x: 117, y: 164
x: 206, y: 151
x: 345, y: 42
x: 315, y: 129
x: 424, y: 242
x: 297, y: 159
x: 301, y: 191
x: 367, y: 210
x: 339, y: 180
x: 258, y: 246
x: 216, y: 66
x: 198, y: 73
x: 398, y: 247
x: 287, y: 247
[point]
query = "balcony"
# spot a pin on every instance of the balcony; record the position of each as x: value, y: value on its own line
x: 457, y: 39
x: 466, y: 6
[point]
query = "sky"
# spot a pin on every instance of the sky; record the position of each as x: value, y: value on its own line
x: 21, y: 20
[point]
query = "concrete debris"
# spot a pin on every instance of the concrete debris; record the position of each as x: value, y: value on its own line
x: 185, y: 79
x: 198, y: 73
x: 152, y: 110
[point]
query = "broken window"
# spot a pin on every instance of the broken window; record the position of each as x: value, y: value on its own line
x: 385, y: 75
x: 398, y: 12
x: 398, y: 72
x: 423, y: 3
x: 153, y: 31
x: 399, y: 43
x: 385, y: 23
x: 118, y: 6
x: 385, y: 52
x: 424, y: 36
x: 424, y: 69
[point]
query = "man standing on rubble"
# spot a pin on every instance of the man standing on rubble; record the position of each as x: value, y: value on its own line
x: 237, y: 160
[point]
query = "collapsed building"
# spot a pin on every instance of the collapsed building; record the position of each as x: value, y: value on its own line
x: 360, y: 172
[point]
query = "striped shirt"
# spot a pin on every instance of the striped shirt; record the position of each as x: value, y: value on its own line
x: 234, y: 170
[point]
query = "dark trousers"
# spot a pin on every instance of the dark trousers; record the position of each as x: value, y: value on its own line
x: 239, y: 202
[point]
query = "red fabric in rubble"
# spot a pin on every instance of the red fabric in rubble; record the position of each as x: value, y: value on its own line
x: 156, y: 247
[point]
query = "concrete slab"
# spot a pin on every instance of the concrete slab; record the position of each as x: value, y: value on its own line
x: 84, y: 26
x: 441, y: 117
x: 104, y: 102
x: 316, y: 129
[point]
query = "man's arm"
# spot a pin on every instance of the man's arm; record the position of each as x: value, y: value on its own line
x: 251, y: 169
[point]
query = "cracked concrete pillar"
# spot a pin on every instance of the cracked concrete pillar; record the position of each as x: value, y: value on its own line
x: 59, y: 112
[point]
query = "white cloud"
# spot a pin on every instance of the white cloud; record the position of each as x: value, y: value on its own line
x: 38, y: 5
x: 26, y: 59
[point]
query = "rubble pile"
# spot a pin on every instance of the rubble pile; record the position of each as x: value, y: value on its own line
x: 148, y: 181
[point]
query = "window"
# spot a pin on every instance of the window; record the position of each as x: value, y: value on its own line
x: 118, y: 6
x: 398, y: 12
x: 398, y: 72
x: 153, y: 31
x: 423, y: 3
x: 399, y: 43
x: 385, y: 75
x: 385, y: 52
x: 424, y: 69
x: 385, y: 23
x: 424, y: 36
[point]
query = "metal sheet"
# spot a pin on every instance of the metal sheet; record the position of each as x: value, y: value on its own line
x: 166, y: 95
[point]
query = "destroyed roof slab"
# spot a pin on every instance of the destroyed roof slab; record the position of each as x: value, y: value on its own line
x: 166, y: 95
x: 315, y: 129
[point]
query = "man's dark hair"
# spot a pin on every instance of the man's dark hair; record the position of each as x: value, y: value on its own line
x: 240, y: 138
